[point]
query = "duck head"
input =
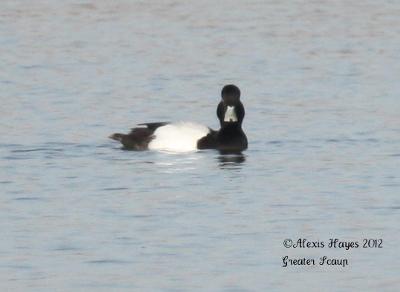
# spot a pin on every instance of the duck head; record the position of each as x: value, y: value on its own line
x: 230, y: 110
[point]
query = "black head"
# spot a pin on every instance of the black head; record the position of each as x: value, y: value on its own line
x: 230, y: 110
x: 230, y: 95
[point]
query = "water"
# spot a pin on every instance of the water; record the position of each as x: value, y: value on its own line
x: 319, y: 82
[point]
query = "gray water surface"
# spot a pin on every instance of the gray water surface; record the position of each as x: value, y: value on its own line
x: 320, y: 84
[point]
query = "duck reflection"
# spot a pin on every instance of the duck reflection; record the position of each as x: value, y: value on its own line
x: 230, y: 159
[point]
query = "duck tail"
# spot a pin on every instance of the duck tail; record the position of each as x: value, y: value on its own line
x: 116, y: 136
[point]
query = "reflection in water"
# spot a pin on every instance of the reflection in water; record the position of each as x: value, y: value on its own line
x: 227, y: 160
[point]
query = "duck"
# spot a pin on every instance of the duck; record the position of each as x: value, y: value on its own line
x: 190, y: 136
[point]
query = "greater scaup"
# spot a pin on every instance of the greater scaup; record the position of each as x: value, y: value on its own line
x: 185, y: 136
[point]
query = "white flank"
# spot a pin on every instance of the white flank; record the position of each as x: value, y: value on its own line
x: 178, y: 137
